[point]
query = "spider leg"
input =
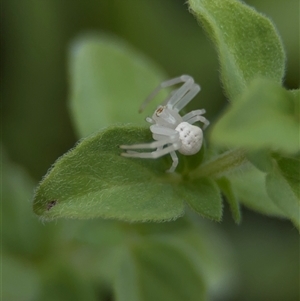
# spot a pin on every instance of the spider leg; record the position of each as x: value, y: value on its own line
x: 175, y: 162
x: 195, y: 116
x: 154, y: 144
x: 162, y: 130
x: 199, y: 118
x: 134, y: 152
x: 155, y: 154
x: 163, y: 136
x: 184, y: 98
x: 191, y: 114
x: 186, y: 79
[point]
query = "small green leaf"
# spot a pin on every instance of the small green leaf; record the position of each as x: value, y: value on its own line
x: 94, y: 180
x: 155, y: 270
x: 203, y: 195
x: 251, y: 191
x: 109, y: 81
x: 247, y: 42
x: 231, y: 198
x: 264, y: 117
x: 283, y: 187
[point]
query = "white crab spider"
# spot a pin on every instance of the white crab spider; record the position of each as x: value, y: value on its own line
x: 171, y: 131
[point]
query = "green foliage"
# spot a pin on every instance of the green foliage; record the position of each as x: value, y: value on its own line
x: 204, y: 197
x: 31, y: 257
x: 247, y: 43
x: 93, y: 180
x: 253, y: 161
x: 263, y: 117
x: 69, y: 260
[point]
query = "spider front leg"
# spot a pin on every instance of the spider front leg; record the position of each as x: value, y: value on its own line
x: 195, y: 116
x: 161, y: 134
x: 177, y: 95
x: 183, y: 96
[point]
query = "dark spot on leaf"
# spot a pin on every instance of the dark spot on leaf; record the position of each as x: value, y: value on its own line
x: 51, y: 204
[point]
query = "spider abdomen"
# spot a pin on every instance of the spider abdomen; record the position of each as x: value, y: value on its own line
x: 191, y: 137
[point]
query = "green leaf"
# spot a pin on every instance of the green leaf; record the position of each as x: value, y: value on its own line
x: 251, y: 191
x: 264, y: 117
x: 231, y: 198
x: 155, y: 270
x: 283, y: 187
x: 203, y: 195
x: 109, y: 81
x: 247, y: 42
x: 93, y: 180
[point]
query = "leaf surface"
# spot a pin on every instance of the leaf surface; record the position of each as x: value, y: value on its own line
x: 247, y: 42
x: 204, y: 197
x: 264, y: 117
x: 94, y: 180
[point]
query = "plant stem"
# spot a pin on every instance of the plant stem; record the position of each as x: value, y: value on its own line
x: 222, y: 165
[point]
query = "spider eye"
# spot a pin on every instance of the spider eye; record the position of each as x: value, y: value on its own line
x: 159, y: 110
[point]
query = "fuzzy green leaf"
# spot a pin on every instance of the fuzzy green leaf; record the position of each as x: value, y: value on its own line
x: 158, y: 271
x: 264, y: 117
x: 247, y: 42
x: 231, y: 198
x: 109, y: 80
x: 204, y: 196
x: 283, y: 187
x: 93, y: 180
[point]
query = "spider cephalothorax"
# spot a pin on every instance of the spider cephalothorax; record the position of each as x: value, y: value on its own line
x: 171, y: 131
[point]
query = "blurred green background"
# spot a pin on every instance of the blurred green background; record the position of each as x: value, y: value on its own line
x: 36, y: 129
